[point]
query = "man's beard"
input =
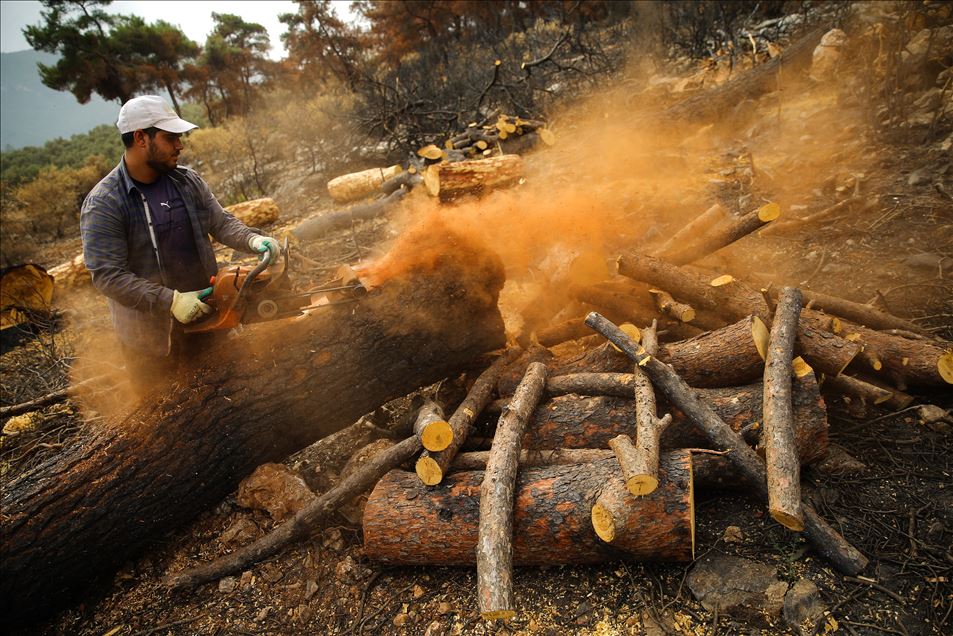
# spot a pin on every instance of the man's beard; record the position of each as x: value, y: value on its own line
x: 154, y: 162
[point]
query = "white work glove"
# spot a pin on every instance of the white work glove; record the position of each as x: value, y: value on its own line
x: 188, y: 306
x: 260, y: 243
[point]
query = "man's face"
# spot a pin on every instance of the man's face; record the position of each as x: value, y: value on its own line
x: 162, y: 151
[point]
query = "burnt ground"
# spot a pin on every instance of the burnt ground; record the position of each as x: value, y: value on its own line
x: 898, y: 508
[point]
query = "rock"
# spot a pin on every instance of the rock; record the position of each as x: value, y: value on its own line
x: 733, y: 535
x: 918, y: 177
x: 227, y: 584
x: 262, y: 614
x: 302, y: 614
x: 738, y: 587
x: 241, y: 530
x: 275, y: 489
x: 418, y: 591
x: 435, y: 628
x: 400, y: 620
x: 255, y: 213
x: 333, y: 540
x: 310, y: 589
x: 353, y: 511
x: 935, y: 418
x: 444, y: 608
x: 346, y: 569
x: 247, y: 579
x: 803, y: 607
x: 827, y: 55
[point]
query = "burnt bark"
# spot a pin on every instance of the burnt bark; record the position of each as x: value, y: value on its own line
x: 186, y: 446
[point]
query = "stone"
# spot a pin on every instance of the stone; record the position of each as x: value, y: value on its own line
x: 803, y: 607
x: 262, y: 614
x: 345, y: 569
x: 444, y: 608
x: 918, y: 177
x: 247, y: 579
x: 435, y: 628
x: 827, y: 55
x: 733, y: 535
x: 418, y: 591
x: 227, y: 584
x: 400, y: 620
x: 255, y: 213
x: 275, y: 489
x: 241, y: 530
x: 738, y: 587
x: 310, y: 589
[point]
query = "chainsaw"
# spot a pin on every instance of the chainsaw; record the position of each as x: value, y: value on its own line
x: 243, y: 295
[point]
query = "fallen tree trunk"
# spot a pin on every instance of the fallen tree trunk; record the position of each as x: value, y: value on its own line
x: 408, y: 523
x: 317, y: 227
x: 827, y: 541
x: 723, y: 233
x: 181, y: 451
x: 570, y: 421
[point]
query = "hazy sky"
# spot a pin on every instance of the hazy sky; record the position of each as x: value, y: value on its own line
x: 194, y: 17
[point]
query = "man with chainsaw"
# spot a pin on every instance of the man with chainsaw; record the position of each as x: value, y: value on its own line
x: 145, y: 230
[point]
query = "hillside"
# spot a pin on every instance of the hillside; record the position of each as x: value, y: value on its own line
x: 31, y: 113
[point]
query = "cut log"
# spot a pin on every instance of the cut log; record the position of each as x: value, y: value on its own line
x: 859, y: 313
x: 612, y: 517
x: 357, y: 185
x: 431, y: 428
x: 451, y: 180
x: 827, y: 541
x: 671, y: 307
x: 689, y: 232
x: 913, y: 361
x: 408, y: 523
x: 724, y: 232
x: 564, y: 331
x: 255, y: 213
x: 402, y: 180
x: 781, y: 459
x: 72, y: 273
x: 494, y: 553
x: 821, y: 348
x: 571, y: 421
x: 869, y: 393
x: 640, y: 461
x: 304, y: 522
x: 291, y: 382
x: 318, y: 226
x: 733, y: 300
x: 431, y: 467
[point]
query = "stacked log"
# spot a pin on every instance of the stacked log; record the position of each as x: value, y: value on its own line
x: 357, y: 185
x: 255, y: 213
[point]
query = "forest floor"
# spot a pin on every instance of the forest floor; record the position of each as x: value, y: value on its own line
x: 897, y: 508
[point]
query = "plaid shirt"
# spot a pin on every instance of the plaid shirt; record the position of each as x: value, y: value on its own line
x: 121, y: 254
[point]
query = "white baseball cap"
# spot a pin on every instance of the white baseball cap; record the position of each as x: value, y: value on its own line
x: 147, y: 111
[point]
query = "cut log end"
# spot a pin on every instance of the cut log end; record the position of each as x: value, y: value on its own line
x: 603, y: 523
x: 429, y: 471
x: 640, y: 485
x: 769, y: 212
x: 760, y: 335
x: 630, y: 330
x: 687, y: 315
x: 790, y: 521
x: 436, y: 435
x: 944, y: 366
x: 801, y: 368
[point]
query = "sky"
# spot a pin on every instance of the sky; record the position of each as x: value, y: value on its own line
x: 194, y: 17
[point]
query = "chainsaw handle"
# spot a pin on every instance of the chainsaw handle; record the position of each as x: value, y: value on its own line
x: 252, y: 275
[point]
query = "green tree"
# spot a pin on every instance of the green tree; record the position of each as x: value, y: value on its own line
x: 236, y: 57
x: 114, y: 56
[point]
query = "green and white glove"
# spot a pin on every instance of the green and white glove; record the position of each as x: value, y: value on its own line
x: 188, y: 306
x: 260, y: 243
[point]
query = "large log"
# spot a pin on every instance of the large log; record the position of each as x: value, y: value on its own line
x: 318, y: 226
x: 357, y: 185
x: 570, y: 421
x: 825, y: 539
x: 408, y: 523
x: 726, y: 231
x: 286, y: 384
x: 450, y: 180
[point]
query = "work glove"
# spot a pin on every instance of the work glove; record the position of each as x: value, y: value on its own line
x: 188, y: 306
x: 260, y: 243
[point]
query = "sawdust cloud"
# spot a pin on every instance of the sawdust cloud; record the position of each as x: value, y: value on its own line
x: 618, y: 178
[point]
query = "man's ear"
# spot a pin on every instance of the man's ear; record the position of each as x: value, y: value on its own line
x: 139, y: 137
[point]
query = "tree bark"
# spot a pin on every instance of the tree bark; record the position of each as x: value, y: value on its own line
x: 431, y: 467
x: 724, y: 232
x: 188, y: 444
x: 671, y: 307
x: 780, y: 455
x: 494, y: 553
x: 450, y: 180
x: 866, y: 315
x: 612, y: 514
x: 408, y: 523
x: 317, y: 227
x: 870, y: 393
x: 827, y: 541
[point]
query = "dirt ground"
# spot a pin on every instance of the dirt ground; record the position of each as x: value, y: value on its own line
x: 897, y: 508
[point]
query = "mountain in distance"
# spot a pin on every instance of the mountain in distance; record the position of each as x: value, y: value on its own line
x: 32, y: 114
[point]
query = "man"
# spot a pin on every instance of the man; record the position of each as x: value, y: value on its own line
x: 145, y: 230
